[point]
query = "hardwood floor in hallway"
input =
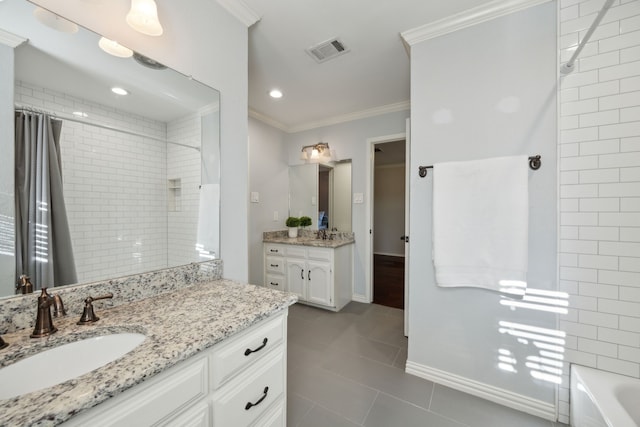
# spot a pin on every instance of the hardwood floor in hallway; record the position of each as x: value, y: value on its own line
x: 388, y: 284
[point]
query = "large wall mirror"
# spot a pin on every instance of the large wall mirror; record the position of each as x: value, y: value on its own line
x: 140, y: 172
x: 323, y: 193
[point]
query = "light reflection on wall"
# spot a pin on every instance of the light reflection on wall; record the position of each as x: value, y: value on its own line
x: 6, y: 235
x: 547, y: 346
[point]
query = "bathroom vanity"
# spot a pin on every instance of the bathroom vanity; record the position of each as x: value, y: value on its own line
x: 319, y: 271
x: 214, y: 354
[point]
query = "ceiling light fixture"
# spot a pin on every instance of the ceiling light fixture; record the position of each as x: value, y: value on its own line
x: 119, y: 91
x: 54, y: 21
x: 143, y: 17
x: 318, y: 152
x: 114, y: 48
x: 275, y: 93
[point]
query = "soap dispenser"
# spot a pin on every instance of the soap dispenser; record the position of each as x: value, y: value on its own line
x: 44, y: 324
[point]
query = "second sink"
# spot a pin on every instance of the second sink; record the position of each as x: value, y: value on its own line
x: 65, y: 362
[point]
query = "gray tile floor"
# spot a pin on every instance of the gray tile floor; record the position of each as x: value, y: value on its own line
x: 347, y: 369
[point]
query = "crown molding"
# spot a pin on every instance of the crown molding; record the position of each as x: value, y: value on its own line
x: 11, y: 39
x: 268, y: 120
x: 241, y: 11
x: 467, y: 18
x: 363, y: 114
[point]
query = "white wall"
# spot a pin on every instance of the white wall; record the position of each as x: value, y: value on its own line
x: 600, y: 188
x: 350, y: 142
x: 388, y: 211
x: 496, y: 82
x: 7, y: 210
x: 204, y: 41
x: 269, y: 177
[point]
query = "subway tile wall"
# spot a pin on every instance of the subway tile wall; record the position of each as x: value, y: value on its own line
x: 599, y: 150
x: 184, y: 164
x: 124, y: 228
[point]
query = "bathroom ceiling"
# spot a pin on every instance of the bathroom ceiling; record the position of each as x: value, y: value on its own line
x: 374, y: 73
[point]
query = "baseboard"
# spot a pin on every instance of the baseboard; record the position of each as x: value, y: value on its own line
x: 485, y: 391
x: 388, y: 254
x: 360, y: 298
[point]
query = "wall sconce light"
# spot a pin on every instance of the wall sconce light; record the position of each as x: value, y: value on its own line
x: 143, y: 17
x: 114, y: 48
x: 318, y: 152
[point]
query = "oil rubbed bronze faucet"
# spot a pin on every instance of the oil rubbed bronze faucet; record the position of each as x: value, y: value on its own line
x: 88, y: 315
x: 44, y: 324
x: 3, y: 344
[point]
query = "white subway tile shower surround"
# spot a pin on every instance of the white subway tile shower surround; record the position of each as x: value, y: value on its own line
x: 110, y: 242
x: 600, y: 189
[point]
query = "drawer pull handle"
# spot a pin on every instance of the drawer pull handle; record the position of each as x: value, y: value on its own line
x: 274, y: 284
x: 274, y: 250
x: 250, y: 405
x: 309, y: 275
x: 274, y: 265
x: 249, y: 351
x: 302, y: 274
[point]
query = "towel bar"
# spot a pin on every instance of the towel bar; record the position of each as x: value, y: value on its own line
x: 534, y: 163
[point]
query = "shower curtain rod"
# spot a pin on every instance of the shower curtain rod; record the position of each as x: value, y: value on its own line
x: 100, y: 125
x: 568, y: 66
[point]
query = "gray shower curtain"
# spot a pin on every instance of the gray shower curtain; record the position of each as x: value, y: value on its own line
x: 43, y: 241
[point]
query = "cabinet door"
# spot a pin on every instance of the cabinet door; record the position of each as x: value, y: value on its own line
x: 296, y: 277
x: 319, y: 283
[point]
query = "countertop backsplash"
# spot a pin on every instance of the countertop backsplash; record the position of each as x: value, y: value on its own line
x: 19, y: 312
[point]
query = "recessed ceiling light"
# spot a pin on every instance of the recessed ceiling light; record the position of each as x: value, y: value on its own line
x: 54, y: 21
x: 114, y: 48
x: 119, y: 91
x: 80, y: 114
x: 275, y: 93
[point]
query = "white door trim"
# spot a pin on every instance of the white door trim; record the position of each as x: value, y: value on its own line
x: 371, y: 142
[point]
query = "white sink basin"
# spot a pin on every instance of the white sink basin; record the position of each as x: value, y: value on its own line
x: 60, y: 364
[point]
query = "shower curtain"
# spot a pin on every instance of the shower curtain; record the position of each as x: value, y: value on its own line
x: 43, y: 242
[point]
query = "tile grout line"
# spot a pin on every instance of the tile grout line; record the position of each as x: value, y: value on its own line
x: 373, y: 402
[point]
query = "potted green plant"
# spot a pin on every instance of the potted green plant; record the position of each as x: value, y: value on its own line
x: 305, y: 221
x: 293, y: 223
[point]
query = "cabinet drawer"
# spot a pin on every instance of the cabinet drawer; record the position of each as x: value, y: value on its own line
x: 154, y: 402
x: 275, y: 417
x: 320, y: 254
x: 296, y: 252
x: 240, y: 352
x: 248, y: 397
x: 275, y: 281
x: 274, y: 265
x: 273, y: 250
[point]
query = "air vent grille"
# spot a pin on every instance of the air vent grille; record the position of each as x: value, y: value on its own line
x: 327, y: 50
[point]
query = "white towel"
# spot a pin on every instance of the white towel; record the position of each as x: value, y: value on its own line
x: 480, y: 223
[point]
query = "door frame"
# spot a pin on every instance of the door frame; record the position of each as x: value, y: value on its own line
x: 371, y: 143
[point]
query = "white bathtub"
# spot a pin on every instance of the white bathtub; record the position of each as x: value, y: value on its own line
x: 602, y: 399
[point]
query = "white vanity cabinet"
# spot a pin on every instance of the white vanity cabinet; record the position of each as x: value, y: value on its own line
x: 238, y: 382
x: 319, y: 276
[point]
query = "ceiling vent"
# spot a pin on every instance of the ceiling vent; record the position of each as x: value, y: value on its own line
x: 327, y: 50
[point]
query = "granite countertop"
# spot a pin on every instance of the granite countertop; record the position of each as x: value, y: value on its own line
x: 177, y: 325
x: 308, y: 238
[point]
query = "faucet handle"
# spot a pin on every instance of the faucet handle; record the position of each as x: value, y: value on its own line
x: 88, y: 315
x: 3, y: 344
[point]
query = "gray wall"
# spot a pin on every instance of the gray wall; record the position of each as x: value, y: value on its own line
x: 269, y: 176
x: 350, y: 142
x: 388, y: 211
x: 496, y: 81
